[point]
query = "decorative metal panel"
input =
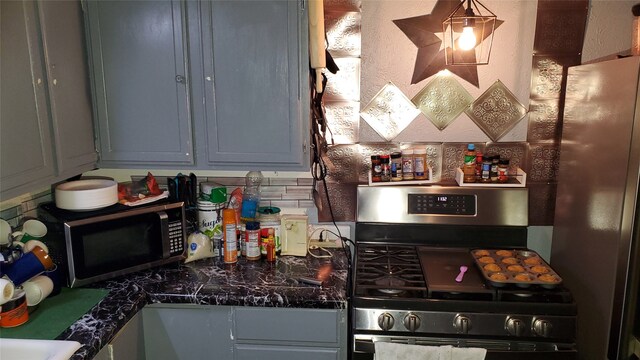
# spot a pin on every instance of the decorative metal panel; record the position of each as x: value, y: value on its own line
x: 544, y: 123
x: 343, y: 119
x: 343, y: 33
x: 343, y: 202
x: 544, y: 160
x: 560, y: 27
x: 442, y: 100
x: 344, y: 164
x: 546, y: 77
x: 389, y: 112
x: 516, y: 152
x: 453, y: 157
x: 345, y: 84
x: 496, y: 111
x: 542, y: 204
x: 342, y: 5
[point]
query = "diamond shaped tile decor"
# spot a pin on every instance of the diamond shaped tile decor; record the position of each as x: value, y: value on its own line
x: 496, y: 111
x: 343, y: 119
x: 389, y: 112
x: 442, y: 100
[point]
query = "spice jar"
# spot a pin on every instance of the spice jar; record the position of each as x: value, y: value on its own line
x: 252, y: 239
x: 407, y: 164
x: 486, y: 170
x: 385, y: 168
x: 396, y: 166
x: 376, y: 168
x: 503, y: 171
x: 494, y: 168
x: 420, y: 164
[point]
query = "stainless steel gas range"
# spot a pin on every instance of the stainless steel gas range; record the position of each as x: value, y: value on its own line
x: 410, y: 244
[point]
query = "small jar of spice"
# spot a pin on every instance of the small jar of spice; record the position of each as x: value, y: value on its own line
x: 385, y: 168
x: 376, y: 168
x: 396, y: 166
x: 503, y: 171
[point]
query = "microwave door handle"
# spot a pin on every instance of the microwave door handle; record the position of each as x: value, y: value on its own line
x: 164, y: 228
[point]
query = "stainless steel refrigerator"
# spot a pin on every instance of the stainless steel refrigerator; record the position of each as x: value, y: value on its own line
x: 595, y: 245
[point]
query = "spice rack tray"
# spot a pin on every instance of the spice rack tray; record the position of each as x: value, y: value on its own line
x: 517, y: 180
x: 404, y: 182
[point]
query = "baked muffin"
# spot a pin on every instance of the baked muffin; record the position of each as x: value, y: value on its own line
x: 515, y: 268
x: 510, y: 261
x: 480, y: 253
x: 523, y: 277
x: 504, y: 253
x: 539, y: 269
x: 549, y: 278
x: 498, y: 277
x: 533, y: 261
x: 491, y: 267
x: 487, y: 260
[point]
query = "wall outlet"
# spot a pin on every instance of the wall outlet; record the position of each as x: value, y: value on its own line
x: 329, y: 239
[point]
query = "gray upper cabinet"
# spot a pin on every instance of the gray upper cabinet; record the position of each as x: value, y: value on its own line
x: 140, y: 70
x: 68, y: 85
x: 45, y: 119
x: 255, y: 61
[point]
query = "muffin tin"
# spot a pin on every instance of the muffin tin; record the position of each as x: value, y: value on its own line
x: 522, y: 268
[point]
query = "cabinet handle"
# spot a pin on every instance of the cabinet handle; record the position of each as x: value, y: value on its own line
x: 180, y: 79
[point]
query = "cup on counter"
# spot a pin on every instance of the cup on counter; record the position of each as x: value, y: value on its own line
x: 14, y: 312
x: 37, y: 289
x: 31, y: 244
x: 56, y: 277
x: 6, y: 291
x: 5, y: 232
x: 31, y: 229
x: 29, y: 265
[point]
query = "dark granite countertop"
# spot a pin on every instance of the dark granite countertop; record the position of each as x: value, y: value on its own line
x: 210, y: 282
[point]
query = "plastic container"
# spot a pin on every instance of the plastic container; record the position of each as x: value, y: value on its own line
x: 269, y: 218
x: 420, y: 164
x: 407, y: 164
x: 396, y: 166
x: 210, y: 223
x: 252, y: 239
x: 469, y: 166
x: 213, y: 192
x: 251, y: 195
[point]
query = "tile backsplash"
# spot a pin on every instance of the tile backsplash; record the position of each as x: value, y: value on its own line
x: 26, y: 208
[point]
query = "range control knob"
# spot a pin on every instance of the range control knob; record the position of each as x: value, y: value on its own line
x: 462, y: 324
x: 385, y: 321
x: 541, y: 327
x: 514, y: 326
x: 412, y: 322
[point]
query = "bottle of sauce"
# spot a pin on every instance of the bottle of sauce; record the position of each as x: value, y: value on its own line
x: 229, y: 230
x: 478, y: 166
x: 420, y: 164
x: 396, y: 166
x: 407, y: 164
x: 469, y: 166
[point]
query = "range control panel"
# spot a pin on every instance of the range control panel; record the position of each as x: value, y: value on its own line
x: 442, y: 204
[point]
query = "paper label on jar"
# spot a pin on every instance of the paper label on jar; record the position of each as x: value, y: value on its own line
x: 419, y: 165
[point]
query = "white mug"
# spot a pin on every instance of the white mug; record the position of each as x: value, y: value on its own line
x: 31, y: 229
x: 29, y: 245
x: 5, y: 232
x: 37, y: 289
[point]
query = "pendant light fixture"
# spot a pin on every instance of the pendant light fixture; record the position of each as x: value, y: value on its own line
x: 468, y: 34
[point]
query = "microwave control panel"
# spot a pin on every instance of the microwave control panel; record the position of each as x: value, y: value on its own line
x: 442, y: 204
x: 176, y: 233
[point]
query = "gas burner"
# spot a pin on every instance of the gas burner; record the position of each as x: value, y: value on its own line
x: 390, y: 285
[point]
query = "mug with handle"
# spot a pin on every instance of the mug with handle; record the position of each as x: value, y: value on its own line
x: 31, y: 230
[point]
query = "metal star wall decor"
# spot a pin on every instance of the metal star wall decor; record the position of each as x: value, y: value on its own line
x: 422, y: 30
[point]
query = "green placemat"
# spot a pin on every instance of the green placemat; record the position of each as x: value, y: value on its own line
x: 55, y: 314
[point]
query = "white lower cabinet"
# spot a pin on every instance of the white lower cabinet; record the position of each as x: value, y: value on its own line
x: 128, y: 344
x: 180, y: 331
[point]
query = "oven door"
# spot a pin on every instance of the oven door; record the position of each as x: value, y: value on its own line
x: 364, y: 348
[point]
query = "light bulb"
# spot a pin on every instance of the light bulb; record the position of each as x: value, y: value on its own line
x: 467, y: 40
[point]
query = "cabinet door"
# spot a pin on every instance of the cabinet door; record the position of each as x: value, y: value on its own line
x: 176, y: 332
x: 256, y: 88
x: 140, y: 69
x: 69, y: 94
x: 25, y: 136
x: 270, y: 352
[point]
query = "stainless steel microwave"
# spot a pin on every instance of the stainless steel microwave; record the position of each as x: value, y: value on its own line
x: 99, y: 245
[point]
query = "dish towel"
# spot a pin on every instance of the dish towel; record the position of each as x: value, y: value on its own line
x: 393, y: 351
